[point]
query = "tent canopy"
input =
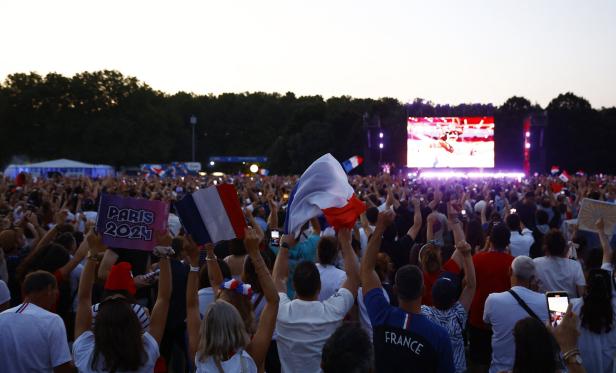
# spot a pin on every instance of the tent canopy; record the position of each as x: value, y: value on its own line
x: 65, y: 167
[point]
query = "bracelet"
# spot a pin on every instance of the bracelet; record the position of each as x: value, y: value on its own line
x: 212, y: 257
x: 93, y: 257
x: 194, y: 269
x: 570, y: 353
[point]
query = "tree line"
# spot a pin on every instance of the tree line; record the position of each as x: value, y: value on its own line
x: 106, y: 117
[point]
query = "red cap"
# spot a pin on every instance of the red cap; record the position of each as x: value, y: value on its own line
x: 120, y: 278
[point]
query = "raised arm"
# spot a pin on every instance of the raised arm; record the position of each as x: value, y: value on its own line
x: 369, y: 278
x: 83, y: 318
x: 417, y: 219
x: 605, y: 244
x: 260, y: 342
x: 272, y: 220
x: 161, y: 307
x: 316, y: 227
x: 214, y: 273
x: 458, y: 233
x: 351, y: 264
x: 464, y: 249
x: 193, y: 320
x: 281, y: 266
x: 81, y: 253
x: 430, y: 226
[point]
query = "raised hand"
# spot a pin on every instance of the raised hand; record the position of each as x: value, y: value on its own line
x: 386, y: 218
x: 251, y: 240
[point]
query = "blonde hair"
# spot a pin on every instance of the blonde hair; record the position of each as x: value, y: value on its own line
x: 430, y: 258
x: 222, y: 331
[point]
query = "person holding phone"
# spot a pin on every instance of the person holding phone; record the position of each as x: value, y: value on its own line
x: 503, y: 310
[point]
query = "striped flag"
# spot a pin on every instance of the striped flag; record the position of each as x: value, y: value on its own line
x: 212, y: 214
x: 351, y: 163
x: 564, y: 177
x: 554, y: 170
x: 323, y: 187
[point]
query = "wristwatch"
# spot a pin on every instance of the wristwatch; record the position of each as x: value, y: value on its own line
x: 285, y: 245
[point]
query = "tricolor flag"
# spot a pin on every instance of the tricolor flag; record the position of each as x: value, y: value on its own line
x: 351, y: 163
x: 212, y: 214
x: 554, y: 170
x: 323, y: 187
x: 564, y: 177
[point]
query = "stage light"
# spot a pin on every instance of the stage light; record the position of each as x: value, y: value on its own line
x: 527, y: 133
x: 527, y: 145
x: 254, y: 168
x: 470, y: 175
x: 212, y: 163
x: 381, y: 145
x: 380, y: 135
x: 201, y: 173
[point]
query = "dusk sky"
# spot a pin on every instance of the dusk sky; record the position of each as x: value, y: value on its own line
x: 444, y: 51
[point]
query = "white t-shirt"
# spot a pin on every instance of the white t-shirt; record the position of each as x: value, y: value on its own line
x: 364, y: 319
x: 32, y: 339
x: 502, y: 311
x: 206, y: 296
x: 598, y: 351
x: 241, y: 362
x: 83, y: 349
x: 519, y: 244
x: 304, y: 326
x: 5, y: 294
x: 559, y: 274
x: 332, y: 279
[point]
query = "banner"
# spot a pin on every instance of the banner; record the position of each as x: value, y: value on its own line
x: 130, y: 223
x: 591, y: 210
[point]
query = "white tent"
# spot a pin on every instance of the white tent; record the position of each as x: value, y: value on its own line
x: 65, y: 167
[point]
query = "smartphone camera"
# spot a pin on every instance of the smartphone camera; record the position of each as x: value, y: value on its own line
x: 463, y: 212
x: 275, y: 241
x: 513, y: 211
x: 558, y: 301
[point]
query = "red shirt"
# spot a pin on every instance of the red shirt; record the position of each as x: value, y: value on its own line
x: 430, y: 279
x: 492, y: 271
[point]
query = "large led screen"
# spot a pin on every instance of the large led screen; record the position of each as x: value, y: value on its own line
x: 465, y: 142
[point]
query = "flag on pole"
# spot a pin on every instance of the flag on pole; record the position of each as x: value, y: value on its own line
x: 351, y: 163
x: 564, y: 177
x: 554, y: 170
x: 323, y: 187
x: 212, y: 214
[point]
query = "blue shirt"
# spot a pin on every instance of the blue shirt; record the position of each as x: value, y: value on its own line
x: 305, y: 250
x: 404, y: 341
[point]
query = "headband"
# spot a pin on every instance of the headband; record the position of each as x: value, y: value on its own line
x: 237, y: 286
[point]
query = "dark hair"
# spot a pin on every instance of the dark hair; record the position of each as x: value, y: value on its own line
x: 117, y: 337
x: 500, y: 236
x: 204, y: 279
x: 475, y: 235
x: 372, y: 214
x: 542, y: 217
x: 554, y: 243
x: 306, y: 279
x: 236, y: 247
x: 513, y: 223
x: 533, y: 347
x: 38, y: 281
x: 349, y: 349
x: 249, y: 275
x: 49, y: 258
x: 409, y: 282
x: 67, y: 240
x: 597, y: 314
x: 327, y: 250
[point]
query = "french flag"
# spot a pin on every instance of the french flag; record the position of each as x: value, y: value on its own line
x: 554, y: 170
x: 323, y: 188
x: 212, y: 214
x: 564, y: 177
x: 351, y: 163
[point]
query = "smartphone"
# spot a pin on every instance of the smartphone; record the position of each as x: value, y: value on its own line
x: 463, y: 212
x: 558, y: 301
x: 513, y: 211
x: 275, y: 241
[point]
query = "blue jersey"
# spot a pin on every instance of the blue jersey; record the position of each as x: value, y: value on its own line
x: 405, y: 342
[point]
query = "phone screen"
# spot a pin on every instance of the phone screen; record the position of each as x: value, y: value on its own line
x: 558, y: 301
x: 275, y: 238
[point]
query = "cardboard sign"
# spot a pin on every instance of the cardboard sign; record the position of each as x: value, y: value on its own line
x: 591, y: 210
x: 131, y: 223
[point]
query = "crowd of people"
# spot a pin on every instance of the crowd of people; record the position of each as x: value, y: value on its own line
x: 435, y: 276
